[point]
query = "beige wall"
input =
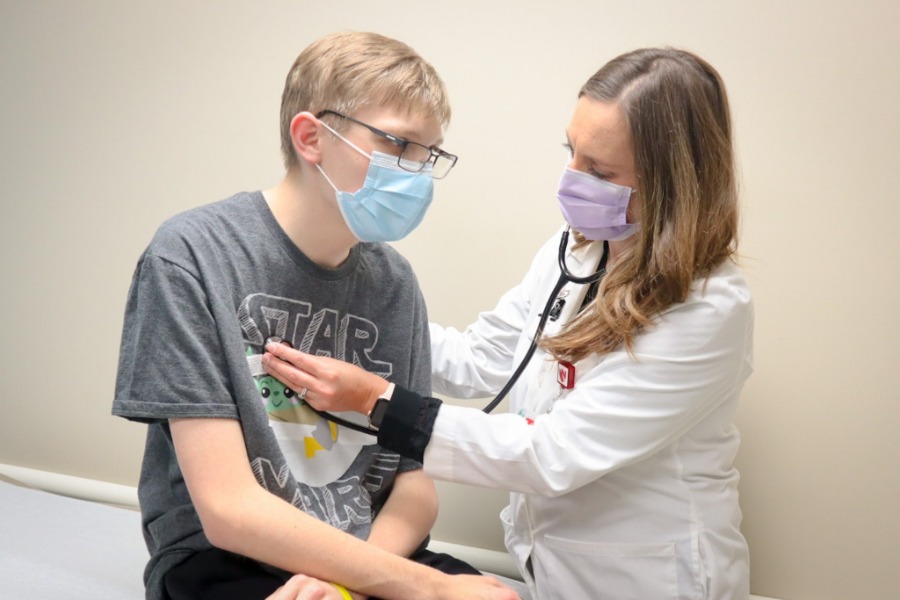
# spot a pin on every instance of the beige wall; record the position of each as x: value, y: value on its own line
x: 115, y: 115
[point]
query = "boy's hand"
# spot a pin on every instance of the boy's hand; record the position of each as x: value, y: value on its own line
x: 476, y: 587
x: 303, y: 587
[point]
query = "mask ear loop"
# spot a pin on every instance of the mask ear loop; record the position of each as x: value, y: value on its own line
x: 327, y: 178
x: 345, y: 140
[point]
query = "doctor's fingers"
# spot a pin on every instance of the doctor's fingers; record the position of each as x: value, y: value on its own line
x: 288, y: 354
x: 330, y: 371
x: 285, y: 372
x: 311, y: 377
x: 340, y: 385
x: 325, y: 369
x: 330, y: 383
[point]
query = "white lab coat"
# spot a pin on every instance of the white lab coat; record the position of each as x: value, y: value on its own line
x: 623, y: 487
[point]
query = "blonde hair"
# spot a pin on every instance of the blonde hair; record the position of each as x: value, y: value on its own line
x: 348, y: 71
x: 677, y: 113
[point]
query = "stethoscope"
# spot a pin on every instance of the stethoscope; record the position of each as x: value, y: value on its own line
x: 565, y: 276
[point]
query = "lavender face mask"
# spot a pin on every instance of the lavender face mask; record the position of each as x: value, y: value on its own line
x: 594, y: 207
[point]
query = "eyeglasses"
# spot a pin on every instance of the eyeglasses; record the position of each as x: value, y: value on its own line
x: 413, y: 156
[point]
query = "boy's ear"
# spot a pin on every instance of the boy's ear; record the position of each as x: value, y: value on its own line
x: 305, y: 137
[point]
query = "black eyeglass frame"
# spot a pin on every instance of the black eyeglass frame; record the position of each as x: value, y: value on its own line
x: 402, y: 143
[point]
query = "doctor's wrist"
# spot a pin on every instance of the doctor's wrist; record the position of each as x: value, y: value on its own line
x: 379, y: 389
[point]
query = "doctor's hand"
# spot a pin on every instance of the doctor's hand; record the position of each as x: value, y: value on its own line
x: 323, y: 382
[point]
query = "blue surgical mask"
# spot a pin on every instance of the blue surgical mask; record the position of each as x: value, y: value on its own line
x: 390, y: 204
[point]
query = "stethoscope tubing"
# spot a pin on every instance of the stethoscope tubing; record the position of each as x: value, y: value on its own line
x: 565, y: 276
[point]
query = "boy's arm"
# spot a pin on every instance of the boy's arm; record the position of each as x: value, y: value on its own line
x: 408, y: 515
x: 240, y: 516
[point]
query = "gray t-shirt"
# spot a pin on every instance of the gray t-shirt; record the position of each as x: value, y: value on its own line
x: 213, y: 285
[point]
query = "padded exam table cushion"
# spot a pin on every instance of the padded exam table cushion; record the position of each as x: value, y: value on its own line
x: 53, y: 546
x: 57, y: 547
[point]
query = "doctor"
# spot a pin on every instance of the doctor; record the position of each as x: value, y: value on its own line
x: 618, y: 449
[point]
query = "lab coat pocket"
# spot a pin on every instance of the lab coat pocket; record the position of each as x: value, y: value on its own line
x: 567, y: 569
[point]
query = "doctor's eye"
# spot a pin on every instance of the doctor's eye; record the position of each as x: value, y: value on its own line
x: 569, y: 149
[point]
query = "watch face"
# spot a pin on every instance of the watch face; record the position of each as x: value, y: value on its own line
x: 377, y: 415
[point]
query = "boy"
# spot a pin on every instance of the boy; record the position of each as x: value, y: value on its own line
x: 242, y: 484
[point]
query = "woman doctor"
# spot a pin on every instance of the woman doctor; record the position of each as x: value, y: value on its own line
x: 618, y: 449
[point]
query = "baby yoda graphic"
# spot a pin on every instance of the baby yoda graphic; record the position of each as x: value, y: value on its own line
x: 278, y: 398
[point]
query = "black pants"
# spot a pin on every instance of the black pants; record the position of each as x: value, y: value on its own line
x: 219, y: 575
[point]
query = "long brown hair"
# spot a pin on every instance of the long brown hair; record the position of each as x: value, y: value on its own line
x: 676, y: 109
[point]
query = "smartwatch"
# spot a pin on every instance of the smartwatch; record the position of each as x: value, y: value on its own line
x: 376, y: 415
